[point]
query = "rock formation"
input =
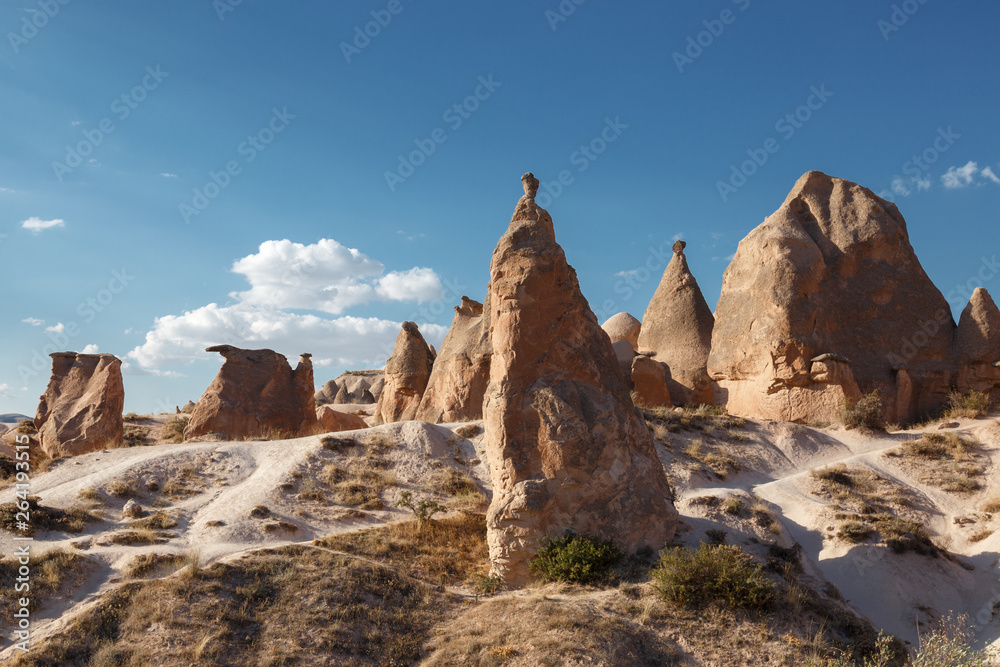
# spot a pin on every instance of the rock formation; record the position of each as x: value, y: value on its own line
x: 677, y: 331
x: 406, y: 374
x: 188, y: 407
x: 831, y: 272
x: 977, y: 346
x: 566, y: 448
x: 351, y: 387
x: 650, y: 383
x: 81, y: 409
x: 331, y: 420
x: 461, y: 371
x: 623, y: 327
x: 256, y: 394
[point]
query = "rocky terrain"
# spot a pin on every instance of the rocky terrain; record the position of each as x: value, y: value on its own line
x: 806, y: 476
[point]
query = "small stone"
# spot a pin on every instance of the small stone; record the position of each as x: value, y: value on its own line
x: 132, y: 509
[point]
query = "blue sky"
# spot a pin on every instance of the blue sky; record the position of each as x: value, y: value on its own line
x: 174, y: 175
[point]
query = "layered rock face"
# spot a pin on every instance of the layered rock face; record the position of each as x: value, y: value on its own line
x: 623, y: 326
x: 566, y: 447
x: 977, y: 346
x: 825, y: 297
x: 461, y: 371
x: 677, y: 331
x: 256, y: 394
x: 81, y: 409
x: 406, y: 374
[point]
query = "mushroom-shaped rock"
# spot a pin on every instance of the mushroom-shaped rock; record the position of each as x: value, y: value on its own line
x: 256, y: 395
x: 623, y: 327
x: 566, y: 448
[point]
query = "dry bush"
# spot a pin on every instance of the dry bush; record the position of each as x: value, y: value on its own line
x: 173, y: 429
x: 972, y: 405
x: 980, y: 535
x: 865, y: 414
x: 148, y: 563
x: 139, y: 536
x: 713, y: 457
x: 136, y: 436
x: 157, y: 521
x: 451, y: 482
x: 468, y: 431
x: 712, y: 573
x: 121, y: 489
x: 992, y: 505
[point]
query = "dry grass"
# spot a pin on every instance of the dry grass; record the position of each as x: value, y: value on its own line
x: 451, y: 482
x: 121, y: 489
x: 945, y: 460
x: 865, y: 414
x: 137, y: 536
x: 157, y: 521
x: 51, y: 573
x: 868, y: 503
x: 295, y: 605
x: 992, y: 505
x: 137, y: 436
x: 980, y: 534
x: 713, y: 457
x: 704, y: 418
x: 184, y: 482
x: 146, y: 564
x: 468, y: 431
x: 70, y: 520
x: 450, y: 550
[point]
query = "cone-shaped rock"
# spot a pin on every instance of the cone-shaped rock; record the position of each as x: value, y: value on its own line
x: 977, y: 346
x: 406, y: 375
x: 830, y: 272
x: 677, y: 331
x: 81, y: 409
x: 461, y: 370
x: 256, y: 394
x: 566, y: 447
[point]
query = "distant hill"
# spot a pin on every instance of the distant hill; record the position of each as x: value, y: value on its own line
x: 13, y: 418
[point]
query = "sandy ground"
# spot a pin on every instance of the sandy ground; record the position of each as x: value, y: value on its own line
x: 228, y: 480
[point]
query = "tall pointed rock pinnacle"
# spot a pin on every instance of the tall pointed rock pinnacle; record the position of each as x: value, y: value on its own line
x: 566, y: 447
x: 977, y: 346
x: 677, y: 330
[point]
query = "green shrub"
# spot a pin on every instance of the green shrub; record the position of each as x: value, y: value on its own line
x: 950, y: 645
x: 574, y: 558
x: 865, y: 414
x: 723, y: 573
x: 424, y: 510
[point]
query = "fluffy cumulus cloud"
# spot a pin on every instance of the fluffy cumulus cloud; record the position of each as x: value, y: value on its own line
x: 968, y: 174
x: 6, y: 391
x: 37, y: 225
x: 284, y: 276
x: 327, y: 276
x: 33, y: 321
x: 92, y: 348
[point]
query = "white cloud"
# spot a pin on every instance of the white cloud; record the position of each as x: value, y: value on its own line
x: 284, y: 276
x: 37, y: 224
x: 92, y: 348
x: 342, y: 341
x: 898, y: 187
x: 76, y: 122
x: 168, y: 175
x: 8, y: 191
x: 969, y: 174
x: 326, y: 276
x: 679, y: 236
x: 959, y: 177
x: 626, y: 274
x: 33, y: 321
x: 923, y: 182
x: 988, y: 173
x: 56, y: 328
x: 6, y: 391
